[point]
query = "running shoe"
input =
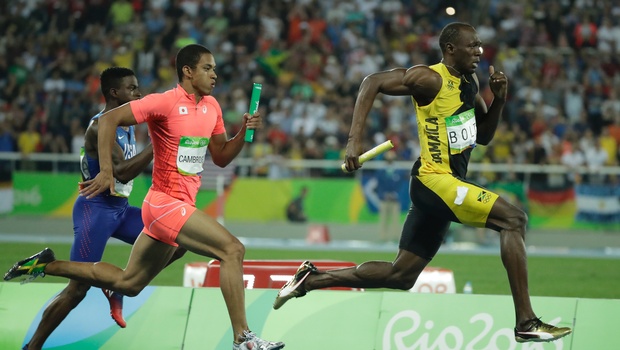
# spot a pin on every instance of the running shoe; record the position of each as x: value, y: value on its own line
x: 294, y: 287
x: 252, y: 342
x: 31, y: 267
x: 541, y: 332
x: 116, y: 306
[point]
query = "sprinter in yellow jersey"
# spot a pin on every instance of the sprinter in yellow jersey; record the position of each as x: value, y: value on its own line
x: 452, y: 119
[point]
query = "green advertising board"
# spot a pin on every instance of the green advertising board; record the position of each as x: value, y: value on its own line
x: 329, y: 200
x: 196, y: 318
x: 153, y: 321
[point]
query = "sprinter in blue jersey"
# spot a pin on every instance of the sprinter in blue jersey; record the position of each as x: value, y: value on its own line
x: 97, y: 219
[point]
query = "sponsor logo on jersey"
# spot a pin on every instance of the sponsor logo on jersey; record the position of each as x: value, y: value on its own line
x: 484, y: 197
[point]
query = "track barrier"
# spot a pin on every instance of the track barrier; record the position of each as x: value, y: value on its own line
x: 176, y: 318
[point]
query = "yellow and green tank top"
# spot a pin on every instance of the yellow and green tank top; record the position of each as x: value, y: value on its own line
x: 447, y: 126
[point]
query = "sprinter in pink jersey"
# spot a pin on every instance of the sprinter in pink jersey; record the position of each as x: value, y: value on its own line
x: 184, y: 122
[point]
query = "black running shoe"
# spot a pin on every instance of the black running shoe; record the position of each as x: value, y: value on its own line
x: 31, y: 267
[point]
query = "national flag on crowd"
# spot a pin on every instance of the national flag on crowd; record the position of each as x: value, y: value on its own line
x: 551, y: 206
x: 598, y: 203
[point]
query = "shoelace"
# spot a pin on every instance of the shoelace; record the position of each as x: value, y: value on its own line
x: 537, y: 323
x: 308, y: 269
x: 250, y: 336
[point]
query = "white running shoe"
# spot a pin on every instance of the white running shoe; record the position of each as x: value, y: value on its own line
x: 252, y: 342
x: 294, y: 287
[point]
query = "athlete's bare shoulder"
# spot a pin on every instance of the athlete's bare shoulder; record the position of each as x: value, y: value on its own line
x: 424, y: 83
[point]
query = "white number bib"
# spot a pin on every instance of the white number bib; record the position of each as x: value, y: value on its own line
x: 191, y: 154
x: 462, y: 131
x: 84, y: 164
x: 121, y: 189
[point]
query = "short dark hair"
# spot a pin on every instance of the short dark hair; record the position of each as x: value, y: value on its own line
x: 111, y: 79
x: 189, y: 56
x: 451, y: 34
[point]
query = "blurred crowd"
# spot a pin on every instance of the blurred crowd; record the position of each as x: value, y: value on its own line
x: 561, y: 59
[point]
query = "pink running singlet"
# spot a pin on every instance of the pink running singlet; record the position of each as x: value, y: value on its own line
x: 180, y: 133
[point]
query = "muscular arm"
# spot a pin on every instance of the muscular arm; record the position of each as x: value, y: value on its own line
x: 124, y: 170
x: 108, y: 122
x: 488, y: 119
x: 420, y: 82
x: 224, y: 150
x: 127, y: 169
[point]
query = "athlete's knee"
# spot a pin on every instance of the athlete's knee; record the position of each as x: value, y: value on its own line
x: 406, y: 282
x: 235, y: 250
x: 403, y: 280
x: 75, y: 292
x: 130, y: 290
x: 130, y: 286
x: 516, y: 220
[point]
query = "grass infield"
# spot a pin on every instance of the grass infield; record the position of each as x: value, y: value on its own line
x: 548, y: 276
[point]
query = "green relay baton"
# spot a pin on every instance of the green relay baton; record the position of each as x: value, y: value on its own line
x: 254, y: 101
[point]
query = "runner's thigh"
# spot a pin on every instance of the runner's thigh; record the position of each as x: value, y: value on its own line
x: 93, y: 224
x: 148, y: 257
x: 455, y: 199
x: 130, y: 225
x: 203, y: 235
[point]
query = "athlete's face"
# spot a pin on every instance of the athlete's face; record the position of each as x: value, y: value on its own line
x: 203, y: 77
x: 128, y: 90
x: 467, y: 51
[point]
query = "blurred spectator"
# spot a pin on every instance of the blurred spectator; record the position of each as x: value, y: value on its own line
x: 7, y: 137
x: 608, y: 143
x: 573, y: 158
x: 573, y: 102
x: 585, y: 32
x: 332, y: 151
x: 606, y: 36
x: 389, y: 181
x: 276, y: 170
x: 502, y: 142
x: 596, y: 157
x: 260, y: 149
x: 121, y: 13
x: 295, y: 208
x: 312, y: 56
x: 29, y: 141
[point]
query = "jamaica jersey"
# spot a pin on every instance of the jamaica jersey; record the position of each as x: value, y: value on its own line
x: 447, y: 126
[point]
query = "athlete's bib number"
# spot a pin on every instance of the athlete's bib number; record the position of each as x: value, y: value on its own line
x: 191, y: 154
x: 461, y: 131
x: 121, y: 189
x: 84, y: 164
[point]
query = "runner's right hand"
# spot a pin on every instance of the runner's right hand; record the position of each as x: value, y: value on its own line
x: 93, y: 187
